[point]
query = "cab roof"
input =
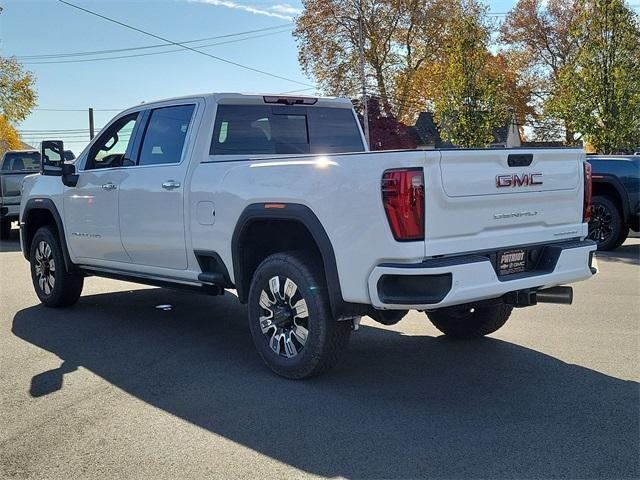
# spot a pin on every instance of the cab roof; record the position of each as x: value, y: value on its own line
x: 260, y: 99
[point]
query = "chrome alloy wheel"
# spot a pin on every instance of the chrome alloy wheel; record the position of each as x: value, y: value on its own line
x: 600, y: 226
x: 285, y: 319
x: 45, y: 267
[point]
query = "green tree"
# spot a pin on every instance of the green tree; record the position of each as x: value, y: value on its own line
x: 470, y: 100
x: 17, y: 99
x: 600, y: 90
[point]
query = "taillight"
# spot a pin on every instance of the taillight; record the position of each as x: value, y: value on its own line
x: 588, y: 192
x: 403, y: 199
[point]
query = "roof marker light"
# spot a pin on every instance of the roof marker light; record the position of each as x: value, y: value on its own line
x: 290, y: 100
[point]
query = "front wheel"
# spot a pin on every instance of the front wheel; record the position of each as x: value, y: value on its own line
x: 290, y: 317
x: 54, y: 286
x: 469, y: 321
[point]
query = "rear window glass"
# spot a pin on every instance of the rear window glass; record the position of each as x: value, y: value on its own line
x: 266, y: 129
x: 21, y: 161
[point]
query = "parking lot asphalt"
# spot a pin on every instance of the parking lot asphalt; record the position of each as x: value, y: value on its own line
x: 116, y: 388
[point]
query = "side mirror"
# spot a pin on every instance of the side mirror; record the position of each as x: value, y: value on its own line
x: 51, y: 157
x: 69, y: 175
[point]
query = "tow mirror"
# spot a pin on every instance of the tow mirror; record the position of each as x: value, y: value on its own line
x: 69, y: 175
x: 51, y: 157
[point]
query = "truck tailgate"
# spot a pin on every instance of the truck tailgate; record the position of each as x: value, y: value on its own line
x: 10, y: 186
x: 489, y: 199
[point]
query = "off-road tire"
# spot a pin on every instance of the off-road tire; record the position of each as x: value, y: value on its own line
x: 604, y: 209
x: 470, y: 322
x: 327, y: 338
x: 5, y: 229
x: 67, y: 286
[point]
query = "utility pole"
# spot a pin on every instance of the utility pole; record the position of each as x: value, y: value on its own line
x: 91, y: 128
x: 363, y: 79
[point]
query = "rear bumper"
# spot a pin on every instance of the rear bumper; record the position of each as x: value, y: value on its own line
x: 445, y: 282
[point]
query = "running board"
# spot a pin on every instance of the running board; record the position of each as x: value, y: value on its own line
x: 154, y: 280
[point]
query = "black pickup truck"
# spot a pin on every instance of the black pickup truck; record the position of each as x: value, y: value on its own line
x: 616, y: 199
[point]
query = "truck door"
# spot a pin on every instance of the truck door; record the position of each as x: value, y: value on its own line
x: 151, y: 200
x: 91, y: 207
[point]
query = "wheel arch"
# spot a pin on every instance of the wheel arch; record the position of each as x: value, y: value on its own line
x: 37, y: 213
x: 611, y: 187
x: 293, y: 221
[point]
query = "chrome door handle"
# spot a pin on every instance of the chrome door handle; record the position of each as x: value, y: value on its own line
x: 109, y: 186
x: 170, y: 185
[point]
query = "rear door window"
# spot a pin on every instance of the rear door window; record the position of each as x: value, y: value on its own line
x: 165, y: 135
x: 268, y: 130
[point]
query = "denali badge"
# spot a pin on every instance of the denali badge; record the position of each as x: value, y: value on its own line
x: 500, y: 216
x: 515, y: 180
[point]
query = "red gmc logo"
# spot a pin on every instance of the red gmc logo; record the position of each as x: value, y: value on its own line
x: 515, y: 180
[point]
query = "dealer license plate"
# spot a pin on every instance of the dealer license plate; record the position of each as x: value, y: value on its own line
x: 512, y: 261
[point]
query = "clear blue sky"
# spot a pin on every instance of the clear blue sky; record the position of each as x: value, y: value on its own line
x: 33, y: 27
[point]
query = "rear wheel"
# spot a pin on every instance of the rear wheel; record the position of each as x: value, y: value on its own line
x: 290, y: 317
x: 606, y: 227
x: 470, y: 322
x: 54, y: 286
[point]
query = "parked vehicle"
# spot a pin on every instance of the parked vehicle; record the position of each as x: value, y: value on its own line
x: 616, y: 199
x: 277, y: 198
x: 14, y: 166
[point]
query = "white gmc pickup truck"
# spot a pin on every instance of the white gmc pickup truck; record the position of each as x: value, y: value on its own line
x: 278, y: 198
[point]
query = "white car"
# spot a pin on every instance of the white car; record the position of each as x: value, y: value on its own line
x: 278, y: 198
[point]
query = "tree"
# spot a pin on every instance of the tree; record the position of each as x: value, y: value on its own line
x: 399, y: 37
x: 9, y: 139
x: 502, y: 69
x: 17, y: 99
x: 600, y: 89
x: 470, y: 100
x: 386, y: 132
x: 538, y: 32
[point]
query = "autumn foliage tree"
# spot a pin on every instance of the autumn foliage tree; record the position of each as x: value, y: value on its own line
x: 17, y: 99
x: 538, y: 38
x: 385, y: 132
x: 400, y: 36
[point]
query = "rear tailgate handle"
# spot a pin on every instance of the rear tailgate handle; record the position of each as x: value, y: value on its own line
x: 520, y: 159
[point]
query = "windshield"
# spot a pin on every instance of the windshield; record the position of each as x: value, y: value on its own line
x: 266, y: 129
x: 21, y: 161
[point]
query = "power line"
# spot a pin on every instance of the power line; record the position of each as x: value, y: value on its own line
x: 220, y: 59
x: 158, y: 45
x: 84, y: 110
x: 151, y: 53
x: 54, y: 131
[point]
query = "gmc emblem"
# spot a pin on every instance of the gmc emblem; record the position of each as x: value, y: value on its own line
x: 515, y: 180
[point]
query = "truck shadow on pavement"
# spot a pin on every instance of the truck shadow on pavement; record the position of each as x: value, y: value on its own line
x: 627, y: 253
x: 397, y: 407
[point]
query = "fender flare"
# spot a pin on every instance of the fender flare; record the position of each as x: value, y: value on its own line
x: 304, y: 215
x: 616, y: 184
x: 44, y: 204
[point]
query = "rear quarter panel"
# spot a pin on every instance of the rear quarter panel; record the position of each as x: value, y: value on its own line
x: 343, y: 191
